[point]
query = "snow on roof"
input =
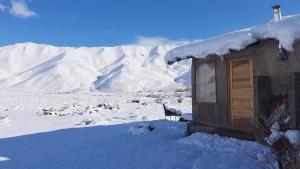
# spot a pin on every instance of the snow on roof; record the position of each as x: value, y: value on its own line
x: 286, y: 31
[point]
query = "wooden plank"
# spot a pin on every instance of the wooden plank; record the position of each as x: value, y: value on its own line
x: 241, y: 85
x: 230, y: 89
x: 241, y: 78
x: 240, y: 90
x: 241, y: 62
x: 242, y: 93
x: 241, y: 73
x: 242, y: 104
x: 241, y: 112
x: 241, y: 70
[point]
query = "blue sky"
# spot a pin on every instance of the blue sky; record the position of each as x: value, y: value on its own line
x: 116, y: 22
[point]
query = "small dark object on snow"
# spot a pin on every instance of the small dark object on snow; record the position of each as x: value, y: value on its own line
x: 3, y: 117
x: 159, y: 100
x: 87, y: 122
x: 107, y: 106
x: 47, y: 112
x: 151, y: 128
x: 182, y: 119
x: 144, y: 103
x: 179, y: 100
x: 135, y: 101
x: 171, y: 112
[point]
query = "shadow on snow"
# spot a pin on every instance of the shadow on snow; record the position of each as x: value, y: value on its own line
x: 107, y: 147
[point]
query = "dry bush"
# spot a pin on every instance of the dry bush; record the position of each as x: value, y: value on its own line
x: 287, y: 154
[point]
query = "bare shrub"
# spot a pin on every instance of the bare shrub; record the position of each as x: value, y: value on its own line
x: 287, y: 154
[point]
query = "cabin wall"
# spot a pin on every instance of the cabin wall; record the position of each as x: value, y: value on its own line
x: 283, y: 77
x: 271, y: 76
x: 267, y: 63
x: 212, y: 113
x: 294, y: 101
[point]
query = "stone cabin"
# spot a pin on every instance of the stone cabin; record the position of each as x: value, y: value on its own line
x: 242, y: 77
x: 231, y: 93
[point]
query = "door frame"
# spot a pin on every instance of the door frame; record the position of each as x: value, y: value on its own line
x: 229, y: 85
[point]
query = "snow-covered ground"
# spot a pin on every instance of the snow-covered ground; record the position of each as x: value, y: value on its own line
x: 34, y: 113
x: 112, y: 131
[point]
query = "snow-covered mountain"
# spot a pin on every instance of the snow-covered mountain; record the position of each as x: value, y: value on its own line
x: 29, y: 67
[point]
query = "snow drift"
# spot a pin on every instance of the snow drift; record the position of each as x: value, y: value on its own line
x: 29, y: 67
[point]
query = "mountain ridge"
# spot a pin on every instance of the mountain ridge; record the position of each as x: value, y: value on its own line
x: 31, y: 67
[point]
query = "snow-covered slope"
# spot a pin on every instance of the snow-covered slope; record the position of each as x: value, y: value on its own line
x: 30, y: 67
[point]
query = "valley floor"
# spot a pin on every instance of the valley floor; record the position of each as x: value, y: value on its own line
x: 112, y: 131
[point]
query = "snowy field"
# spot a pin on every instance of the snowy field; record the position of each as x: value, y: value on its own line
x: 28, y: 113
x: 111, y: 131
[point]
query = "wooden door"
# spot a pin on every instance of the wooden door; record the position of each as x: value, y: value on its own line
x: 241, y: 91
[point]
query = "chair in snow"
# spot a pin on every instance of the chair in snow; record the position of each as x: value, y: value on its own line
x: 171, y: 112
